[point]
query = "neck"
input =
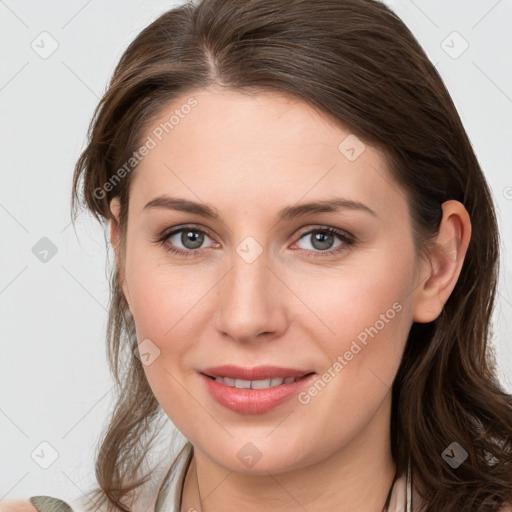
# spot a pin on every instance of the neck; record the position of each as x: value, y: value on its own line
x: 355, y: 478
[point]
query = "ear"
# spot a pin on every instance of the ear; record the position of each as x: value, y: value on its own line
x: 115, y: 209
x: 441, y: 270
x: 115, y: 241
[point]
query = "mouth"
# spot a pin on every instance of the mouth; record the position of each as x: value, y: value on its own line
x: 254, y: 390
x: 255, y: 373
x: 256, y: 384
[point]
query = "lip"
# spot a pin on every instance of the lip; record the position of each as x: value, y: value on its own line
x: 254, y: 401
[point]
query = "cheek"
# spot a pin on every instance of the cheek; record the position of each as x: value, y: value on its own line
x: 162, y: 295
x: 366, y: 298
x: 168, y: 305
x: 364, y: 314
x: 165, y: 305
x: 370, y: 318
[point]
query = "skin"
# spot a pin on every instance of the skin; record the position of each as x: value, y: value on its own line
x: 248, y: 156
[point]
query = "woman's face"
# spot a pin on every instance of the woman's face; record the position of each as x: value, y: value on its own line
x: 262, y: 283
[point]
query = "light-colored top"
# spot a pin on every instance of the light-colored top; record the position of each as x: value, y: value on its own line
x: 169, y: 495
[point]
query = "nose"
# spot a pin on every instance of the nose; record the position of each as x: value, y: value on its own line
x: 251, y: 301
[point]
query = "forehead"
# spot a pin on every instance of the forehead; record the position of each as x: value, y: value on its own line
x: 255, y: 149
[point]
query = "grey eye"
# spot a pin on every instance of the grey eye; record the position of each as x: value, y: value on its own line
x: 321, y: 240
x: 189, y: 238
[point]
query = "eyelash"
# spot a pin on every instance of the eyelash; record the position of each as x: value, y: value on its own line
x: 348, y: 241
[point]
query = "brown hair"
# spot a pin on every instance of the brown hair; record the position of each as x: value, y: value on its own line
x: 357, y: 62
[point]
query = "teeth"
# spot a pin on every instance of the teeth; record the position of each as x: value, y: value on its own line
x: 255, y: 384
x: 262, y: 384
x: 242, y: 384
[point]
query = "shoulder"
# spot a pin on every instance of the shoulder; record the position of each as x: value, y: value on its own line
x: 36, y: 504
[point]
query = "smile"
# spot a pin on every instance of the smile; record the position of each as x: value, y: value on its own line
x: 256, y: 384
x: 262, y: 393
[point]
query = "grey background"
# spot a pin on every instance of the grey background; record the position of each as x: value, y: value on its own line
x: 55, y: 385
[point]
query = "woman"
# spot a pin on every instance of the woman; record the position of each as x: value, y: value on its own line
x: 306, y: 265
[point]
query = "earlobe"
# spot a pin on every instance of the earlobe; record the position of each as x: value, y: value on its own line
x: 441, y: 270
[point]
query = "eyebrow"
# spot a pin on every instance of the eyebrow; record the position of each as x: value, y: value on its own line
x: 287, y: 213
